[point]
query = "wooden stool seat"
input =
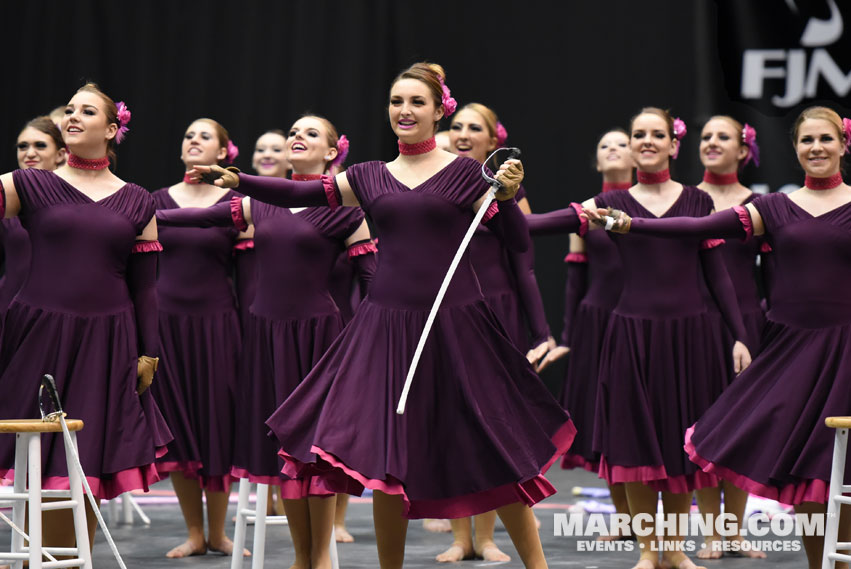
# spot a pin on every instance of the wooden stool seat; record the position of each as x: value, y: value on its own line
x: 38, y: 426
x: 838, y: 422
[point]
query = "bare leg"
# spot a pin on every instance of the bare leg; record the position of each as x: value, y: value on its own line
x: 709, y: 503
x: 321, y: 525
x: 644, y: 500
x: 519, y: 521
x: 341, y: 534
x: 189, y: 496
x: 618, y: 494
x: 462, y: 542
x: 675, y: 559
x: 437, y: 526
x: 391, y: 529
x: 298, y: 520
x: 485, y: 546
x: 735, y: 501
x: 57, y: 528
x: 217, y: 509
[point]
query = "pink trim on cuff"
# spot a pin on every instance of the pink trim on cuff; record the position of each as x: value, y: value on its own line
x: 765, y: 247
x: 812, y: 490
x: 571, y: 461
x: 330, y: 185
x: 146, y: 247
x: 493, y: 209
x: 576, y: 258
x: 583, y: 222
x: 244, y: 245
x: 362, y: 249
x: 237, y: 214
x: 711, y: 243
x: 137, y: 478
x: 745, y: 218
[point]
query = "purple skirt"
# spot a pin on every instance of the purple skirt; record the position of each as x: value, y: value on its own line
x: 766, y: 432
x: 277, y: 355
x: 194, y: 386
x: 507, y: 309
x: 579, y: 394
x: 657, y: 377
x: 479, y: 429
x: 93, y: 360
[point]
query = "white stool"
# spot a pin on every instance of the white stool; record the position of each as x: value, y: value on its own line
x: 836, y: 498
x: 245, y: 515
x: 28, y: 433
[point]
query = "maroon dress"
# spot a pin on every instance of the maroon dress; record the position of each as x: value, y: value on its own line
x: 74, y: 318
x: 480, y: 426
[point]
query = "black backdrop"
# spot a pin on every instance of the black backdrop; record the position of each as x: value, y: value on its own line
x: 558, y: 75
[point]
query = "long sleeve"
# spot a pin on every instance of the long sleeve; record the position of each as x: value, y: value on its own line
x: 721, y: 287
x: 733, y: 222
x: 509, y: 224
x: 288, y: 193
x: 142, y: 283
x: 560, y: 221
x: 530, y: 295
x: 574, y: 291
x: 364, y: 256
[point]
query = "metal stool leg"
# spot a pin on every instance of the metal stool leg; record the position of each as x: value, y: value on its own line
x: 259, y: 553
x: 837, y: 477
x: 81, y: 529
x: 19, y: 509
x: 34, y: 465
x: 241, y: 525
x: 335, y: 559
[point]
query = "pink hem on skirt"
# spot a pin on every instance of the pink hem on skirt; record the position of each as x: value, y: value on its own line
x: 137, y: 478
x: 189, y: 469
x: 656, y: 477
x: 571, y: 461
x: 290, y: 489
x: 814, y: 490
x: 529, y: 492
x: 237, y: 472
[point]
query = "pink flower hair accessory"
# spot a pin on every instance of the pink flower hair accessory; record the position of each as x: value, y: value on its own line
x: 749, y: 140
x: 501, y: 134
x: 123, y: 114
x: 679, y: 133
x: 846, y: 123
x: 449, y: 104
x: 342, y: 151
x: 233, y: 152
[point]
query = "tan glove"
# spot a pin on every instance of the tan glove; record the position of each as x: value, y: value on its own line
x: 215, y: 175
x: 146, y: 366
x: 510, y: 174
x: 614, y: 220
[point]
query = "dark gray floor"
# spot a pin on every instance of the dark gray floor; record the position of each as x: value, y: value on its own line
x: 145, y: 546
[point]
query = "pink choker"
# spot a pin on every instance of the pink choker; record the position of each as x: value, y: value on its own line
x: 609, y: 186
x: 720, y: 179
x: 418, y: 147
x: 75, y: 161
x: 821, y: 183
x: 305, y: 177
x: 653, y: 177
x: 188, y: 180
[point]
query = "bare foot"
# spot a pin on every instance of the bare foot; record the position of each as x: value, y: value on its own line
x: 437, y: 526
x: 618, y: 537
x: 342, y: 535
x: 456, y: 552
x: 490, y: 552
x: 645, y: 563
x: 225, y: 546
x: 187, y: 549
x: 746, y: 552
x: 680, y: 561
x: 713, y: 549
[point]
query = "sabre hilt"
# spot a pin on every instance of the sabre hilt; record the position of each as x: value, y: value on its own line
x: 47, y: 382
x: 513, y: 154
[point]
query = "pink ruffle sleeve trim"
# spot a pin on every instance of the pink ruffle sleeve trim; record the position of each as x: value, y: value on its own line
x: 711, y: 243
x: 576, y: 258
x: 244, y: 245
x: 493, y: 209
x: 745, y: 218
x: 362, y: 249
x: 765, y: 247
x: 237, y: 215
x: 146, y: 247
x: 813, y: 490
x: 330, y: 185
x: 583, y: 222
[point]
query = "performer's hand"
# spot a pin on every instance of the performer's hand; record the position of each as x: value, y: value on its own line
x: 145, y: 368
x: 552, y: 356
x: 741, y: 357
x: 510, y: 174
x: 537, y: 352
x: 216, y: 175
x: 602, y: 217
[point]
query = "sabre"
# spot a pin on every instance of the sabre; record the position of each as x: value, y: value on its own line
x: 496, y: 185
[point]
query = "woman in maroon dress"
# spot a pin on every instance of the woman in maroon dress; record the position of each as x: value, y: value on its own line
x: 89, y: 295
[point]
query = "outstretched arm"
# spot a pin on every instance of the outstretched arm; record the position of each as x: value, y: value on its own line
x: 741, y: 222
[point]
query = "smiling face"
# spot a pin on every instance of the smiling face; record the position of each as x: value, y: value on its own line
x: 721, y: 149
x: 651, y: 144
x: 36, y: 149
x: 201, y: 145
x: 270, y: 155
x: 819, y: 147
x: 613, y: 154
x: 309, y: 150
x: 85, y: 126
x: 469, y: 136
x: 412, y: 110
